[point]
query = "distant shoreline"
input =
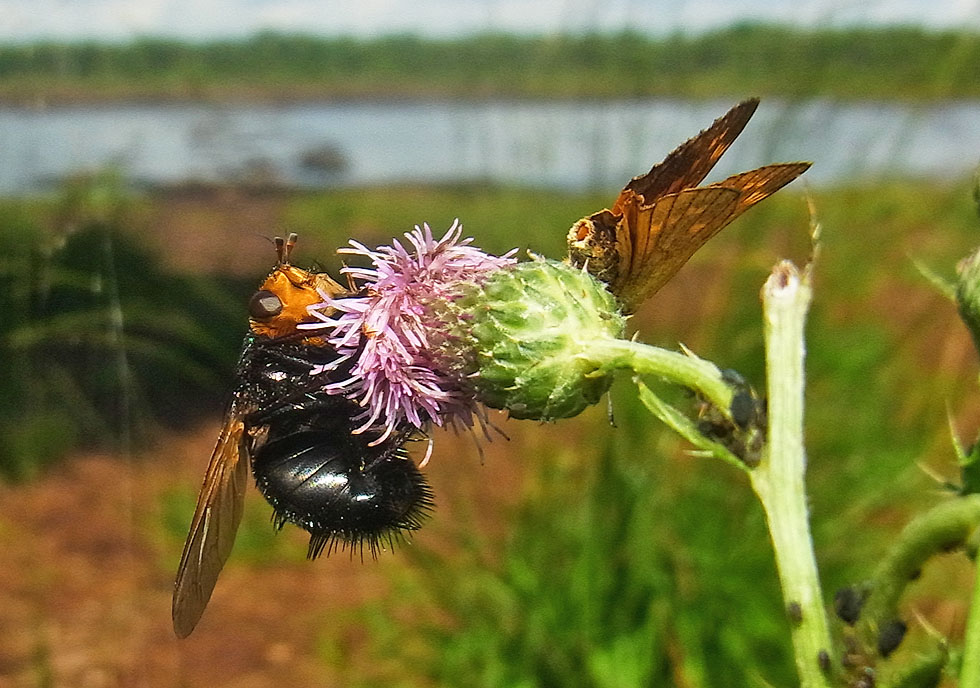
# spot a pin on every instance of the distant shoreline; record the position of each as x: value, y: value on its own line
x: 887, y: 64
x: 273, y: 99
x: 96, y: 101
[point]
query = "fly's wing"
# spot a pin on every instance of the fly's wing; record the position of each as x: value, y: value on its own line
x: 689, y: 163
x: 654, y: 241
x: 213, y: 529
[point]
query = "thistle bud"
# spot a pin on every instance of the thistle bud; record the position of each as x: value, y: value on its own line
x: 527, y: 332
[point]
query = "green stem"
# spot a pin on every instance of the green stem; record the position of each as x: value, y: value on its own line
x: 684, y: 369
x: 970, y: 669
x: 778, y: 480
x: 943, y: 528
x: 685, y: 427
x: 949, y: 525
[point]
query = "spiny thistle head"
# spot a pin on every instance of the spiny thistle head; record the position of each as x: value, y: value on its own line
x: 440, y: 328
x: 526, y: 332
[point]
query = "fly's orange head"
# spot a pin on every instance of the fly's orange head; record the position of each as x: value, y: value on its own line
x: 284, y: 297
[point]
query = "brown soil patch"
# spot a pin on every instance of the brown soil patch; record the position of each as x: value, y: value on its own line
x: 88, y: 568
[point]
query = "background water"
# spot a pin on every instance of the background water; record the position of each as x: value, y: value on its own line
x: 548, y: 144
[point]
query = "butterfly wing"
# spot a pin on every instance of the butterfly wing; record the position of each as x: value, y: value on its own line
x: 688, y: 164
x: 213, y: 528
x: 756, y: 185
x: 655, y: 240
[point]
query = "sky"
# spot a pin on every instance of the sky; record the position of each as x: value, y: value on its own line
x: 201, y: 19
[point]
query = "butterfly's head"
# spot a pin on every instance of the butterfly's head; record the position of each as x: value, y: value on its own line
x: 592, y: 246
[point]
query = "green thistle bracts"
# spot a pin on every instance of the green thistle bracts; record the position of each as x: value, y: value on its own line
x: 528, y: 331
x: 968, y: 293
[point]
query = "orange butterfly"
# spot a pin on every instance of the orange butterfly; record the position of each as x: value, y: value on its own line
x: 662, y: 217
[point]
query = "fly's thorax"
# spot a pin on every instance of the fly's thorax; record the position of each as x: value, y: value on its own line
x: 271, y: 373
x: 283, y: 300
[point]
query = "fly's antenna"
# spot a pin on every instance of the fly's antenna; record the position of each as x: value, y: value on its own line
x: 280, y: 250
x: 290, y: 242
x: 284, y: 247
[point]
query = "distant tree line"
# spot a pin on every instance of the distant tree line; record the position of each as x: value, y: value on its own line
x: 888, y: 63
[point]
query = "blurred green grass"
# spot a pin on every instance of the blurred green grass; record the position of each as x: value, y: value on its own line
x: 635, y: 567
x: 500, y: 218
x: 100, y: 343
x: 625, y: 562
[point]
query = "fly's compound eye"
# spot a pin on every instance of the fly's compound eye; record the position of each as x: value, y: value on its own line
x: 264, y: 305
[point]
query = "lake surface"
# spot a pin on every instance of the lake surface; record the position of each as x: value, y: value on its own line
x: 568, y: 144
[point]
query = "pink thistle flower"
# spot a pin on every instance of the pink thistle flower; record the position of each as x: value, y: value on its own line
x: 393, y: 333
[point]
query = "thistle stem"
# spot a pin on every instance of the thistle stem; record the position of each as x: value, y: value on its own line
x: 970, y: 669
x: 684, y: 369
x: 778, y: 480
x: 947, y: 526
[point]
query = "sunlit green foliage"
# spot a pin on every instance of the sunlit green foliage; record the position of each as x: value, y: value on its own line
x: 622, y: 569
x: 629, y: 565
